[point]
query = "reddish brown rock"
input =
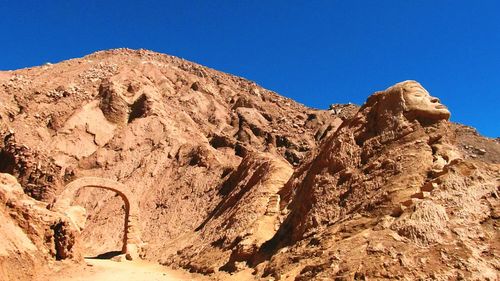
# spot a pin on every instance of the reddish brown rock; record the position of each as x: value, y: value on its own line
x: 227, y: 176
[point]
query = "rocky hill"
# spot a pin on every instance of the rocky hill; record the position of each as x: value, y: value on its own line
x: 222, y: 176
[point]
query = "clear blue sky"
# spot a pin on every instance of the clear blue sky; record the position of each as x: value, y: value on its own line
x: 316, y: 52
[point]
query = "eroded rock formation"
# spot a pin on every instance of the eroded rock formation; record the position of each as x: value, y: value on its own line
x: 385, y: 194
x: 376, y: 160
x: 231, y: 177
x: 31, y: 234
x: 77, y: 215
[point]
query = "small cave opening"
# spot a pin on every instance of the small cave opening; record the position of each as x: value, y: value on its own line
x: 7, y: 162
x: 240, y: 150
x: 138, y: 109
x: 64, y: 240
x: 218, y: 141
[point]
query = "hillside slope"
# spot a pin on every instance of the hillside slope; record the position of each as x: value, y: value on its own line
x: 172, y: 131
x: 229, y: 177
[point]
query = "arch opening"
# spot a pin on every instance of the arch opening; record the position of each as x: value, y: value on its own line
x: 104, y: 234
x: 131, y: 235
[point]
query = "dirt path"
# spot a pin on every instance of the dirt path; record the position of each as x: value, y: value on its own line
x: 108, y: 270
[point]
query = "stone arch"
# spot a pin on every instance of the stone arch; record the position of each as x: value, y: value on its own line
x: 131, y: 237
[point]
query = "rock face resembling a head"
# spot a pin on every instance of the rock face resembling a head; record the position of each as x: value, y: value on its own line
x: 420, y: 103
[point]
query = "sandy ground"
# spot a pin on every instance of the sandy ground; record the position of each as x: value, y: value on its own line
x: 109, y: 270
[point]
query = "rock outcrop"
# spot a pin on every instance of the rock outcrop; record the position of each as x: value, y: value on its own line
x: 386, y: 196
x: 32, y: 236
x: 246, y: 218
